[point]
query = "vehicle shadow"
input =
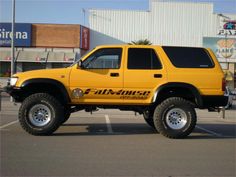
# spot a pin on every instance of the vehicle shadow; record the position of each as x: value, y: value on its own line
x: 201, y: 131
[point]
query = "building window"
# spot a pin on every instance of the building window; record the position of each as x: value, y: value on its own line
x: 5, y: 69
x: 60, y: 65
x: 27, y: 66
x: 139, y: 58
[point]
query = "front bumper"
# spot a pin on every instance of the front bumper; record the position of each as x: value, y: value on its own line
x: 15, y: 92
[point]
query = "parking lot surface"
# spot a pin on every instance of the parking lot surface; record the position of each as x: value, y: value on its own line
x: 115, y: 143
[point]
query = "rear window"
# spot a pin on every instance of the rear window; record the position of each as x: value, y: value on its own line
x: 187, y: 57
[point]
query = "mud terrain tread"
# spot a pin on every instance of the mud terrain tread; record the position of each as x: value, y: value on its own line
x: 55, y: 107
x: 159, y: 117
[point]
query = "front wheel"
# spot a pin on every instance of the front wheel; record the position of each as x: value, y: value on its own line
x: 66, y: 116
x: 40, y: 114
x: 175, y: 117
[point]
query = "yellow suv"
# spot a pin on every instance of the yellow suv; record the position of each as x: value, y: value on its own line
x: 163, y: 83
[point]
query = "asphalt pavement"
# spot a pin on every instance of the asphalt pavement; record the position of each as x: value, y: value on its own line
x: 115, y: 143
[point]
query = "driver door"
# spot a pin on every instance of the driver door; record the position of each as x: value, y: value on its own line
x: 99, y: 78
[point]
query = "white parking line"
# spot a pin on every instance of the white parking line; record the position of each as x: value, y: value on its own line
x: 6, y: 125
x: 108, y: 122
x: 209, y: 131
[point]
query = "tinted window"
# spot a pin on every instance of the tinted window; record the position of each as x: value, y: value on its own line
x: 104, y: 59
x: 187, y: 57
x: 143, y: 59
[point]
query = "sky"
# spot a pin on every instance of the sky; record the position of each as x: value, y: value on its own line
x: 71, y: 11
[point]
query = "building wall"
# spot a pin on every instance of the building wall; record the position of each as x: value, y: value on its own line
x: 166, y: 23
x: 48, y: 46
x: 181, y: 24
x: 55, y: 35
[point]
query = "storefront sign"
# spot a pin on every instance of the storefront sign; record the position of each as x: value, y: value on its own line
x: 84, y: 37
x: 22, y: 34
x: 227, y: 27
x: 224, y: 48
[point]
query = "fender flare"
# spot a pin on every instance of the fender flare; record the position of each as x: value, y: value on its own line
x: 190, y: 87
x: 53, y: 82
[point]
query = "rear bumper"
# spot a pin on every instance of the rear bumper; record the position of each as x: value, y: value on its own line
x: 214, y: 101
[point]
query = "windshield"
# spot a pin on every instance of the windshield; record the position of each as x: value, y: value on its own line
x: 79, y: 58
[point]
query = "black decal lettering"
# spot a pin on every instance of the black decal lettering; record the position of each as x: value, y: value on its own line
x: 98, y: 92
x: 104, y: 92
x: 126, y: 92
x: 119, y: 92
x: 87, y: 91
x: 146, y: 93
x: 110, y: 91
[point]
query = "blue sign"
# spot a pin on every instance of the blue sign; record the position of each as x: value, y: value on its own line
x: 22, y: 34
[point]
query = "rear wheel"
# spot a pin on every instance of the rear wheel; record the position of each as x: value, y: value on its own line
x: 40, y: 114
x: 175, y: 117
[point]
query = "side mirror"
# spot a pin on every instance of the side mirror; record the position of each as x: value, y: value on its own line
x: 80, y: 64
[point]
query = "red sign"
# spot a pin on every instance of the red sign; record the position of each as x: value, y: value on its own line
x: 8, y: 58
x: 84, y: 38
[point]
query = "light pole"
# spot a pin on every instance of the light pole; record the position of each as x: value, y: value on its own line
x: 13, y: 39
x: 83, y: 10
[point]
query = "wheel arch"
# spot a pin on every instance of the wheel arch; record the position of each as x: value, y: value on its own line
x: 174, y: 89
x: 46, y: 85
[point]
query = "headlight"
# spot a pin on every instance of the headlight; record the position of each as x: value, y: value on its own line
x: 13, y: 81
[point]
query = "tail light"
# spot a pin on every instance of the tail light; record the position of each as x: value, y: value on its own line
x: 223, y: 84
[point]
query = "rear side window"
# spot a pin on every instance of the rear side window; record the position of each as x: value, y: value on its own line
x: 187, y: 57
x: 139, y: 58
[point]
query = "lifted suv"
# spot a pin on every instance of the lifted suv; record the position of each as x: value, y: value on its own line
x: 165, y: 84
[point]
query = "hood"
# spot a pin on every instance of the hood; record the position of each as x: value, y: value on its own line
x: 61, y: 74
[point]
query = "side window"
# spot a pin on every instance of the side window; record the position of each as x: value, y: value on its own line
x: 189, y: 57
x: 139, y: 58
x: 108, y: 58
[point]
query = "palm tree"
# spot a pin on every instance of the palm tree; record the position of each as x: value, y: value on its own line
x: 141, y: 42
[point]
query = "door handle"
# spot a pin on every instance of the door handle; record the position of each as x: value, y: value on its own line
x: 114, y: 74
x: 157, y: 75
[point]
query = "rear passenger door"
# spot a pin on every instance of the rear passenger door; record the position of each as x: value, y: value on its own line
x: 144, y: 72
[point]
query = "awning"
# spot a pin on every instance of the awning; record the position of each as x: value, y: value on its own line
x: 32, y: 56
x: 5, y: 55
x: 55, y: 57
x: 69, y: 57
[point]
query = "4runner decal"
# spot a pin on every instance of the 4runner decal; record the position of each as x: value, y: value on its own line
x: 124, y: 94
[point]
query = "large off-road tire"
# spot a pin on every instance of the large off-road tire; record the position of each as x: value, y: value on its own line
x: 175, y: 117
x: 41, y: 114
x: 148, y: 117
x: 66, y: 116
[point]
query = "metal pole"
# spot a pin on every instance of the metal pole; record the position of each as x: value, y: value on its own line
x: 0, y: 100
x: 13, y: 39
x: 223, y: 113
x: 84, y: 15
